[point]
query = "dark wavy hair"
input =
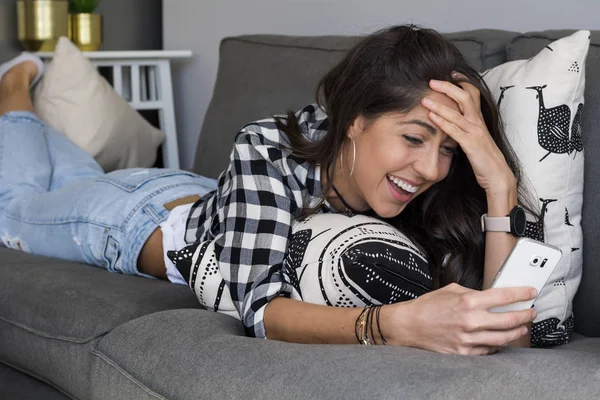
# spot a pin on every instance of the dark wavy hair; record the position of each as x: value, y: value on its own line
x: 389, y: 71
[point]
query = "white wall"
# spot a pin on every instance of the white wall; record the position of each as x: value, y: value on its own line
x: 199, y: 25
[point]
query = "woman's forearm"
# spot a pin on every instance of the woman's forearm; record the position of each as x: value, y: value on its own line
x: 299, y: 322
x: 296, y: 321
x: 499, y: 244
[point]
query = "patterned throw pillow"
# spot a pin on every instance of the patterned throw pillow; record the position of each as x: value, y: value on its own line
x: 344, y: 261
x: 332, y: 260
x: 541, y: 101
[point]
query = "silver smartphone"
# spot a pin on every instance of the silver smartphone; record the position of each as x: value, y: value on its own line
x: 530, y: 263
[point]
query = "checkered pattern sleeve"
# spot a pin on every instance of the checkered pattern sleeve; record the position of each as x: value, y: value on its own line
x: 248, y: 219
x: 258, y: 197
x: 257, y: 217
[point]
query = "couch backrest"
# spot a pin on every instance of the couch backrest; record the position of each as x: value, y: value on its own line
x: 262, y: 75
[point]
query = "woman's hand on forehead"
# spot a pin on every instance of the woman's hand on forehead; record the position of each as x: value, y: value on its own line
x: 464, y: 83
x: 468, y: 128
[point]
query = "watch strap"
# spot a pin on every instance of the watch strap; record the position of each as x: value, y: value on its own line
x: 495, y: 224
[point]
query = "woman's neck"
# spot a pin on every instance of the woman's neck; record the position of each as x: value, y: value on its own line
x: 343, y: 185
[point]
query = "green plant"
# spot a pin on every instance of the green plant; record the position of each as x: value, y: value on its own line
x: 83, y: 6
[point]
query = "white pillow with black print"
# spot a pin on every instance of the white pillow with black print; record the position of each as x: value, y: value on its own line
x: 541, y: 101
x: 332, y: 260
x: 343, y: 261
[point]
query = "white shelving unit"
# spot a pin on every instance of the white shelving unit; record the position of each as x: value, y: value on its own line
x: 143, y: 79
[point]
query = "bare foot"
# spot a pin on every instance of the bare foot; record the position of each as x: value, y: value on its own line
x: 25, y: 71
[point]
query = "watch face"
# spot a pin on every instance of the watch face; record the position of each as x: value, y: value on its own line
x: 519, y: 221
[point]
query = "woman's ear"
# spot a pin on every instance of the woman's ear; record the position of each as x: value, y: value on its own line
x: 357, y: 127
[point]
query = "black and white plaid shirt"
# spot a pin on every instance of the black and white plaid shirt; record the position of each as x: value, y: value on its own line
x: 249, y: 216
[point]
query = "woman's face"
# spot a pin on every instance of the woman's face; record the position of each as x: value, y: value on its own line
x: 398, y: 157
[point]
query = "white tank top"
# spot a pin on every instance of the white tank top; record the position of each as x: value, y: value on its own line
x: 173, y: 231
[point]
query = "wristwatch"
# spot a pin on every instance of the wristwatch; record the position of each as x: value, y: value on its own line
x: 514, y: 223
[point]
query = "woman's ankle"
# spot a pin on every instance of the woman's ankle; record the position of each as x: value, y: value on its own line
x: 14, y: 93
x: 21, y: 74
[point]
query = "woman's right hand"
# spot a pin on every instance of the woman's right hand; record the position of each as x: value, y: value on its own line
x: 456, y: 320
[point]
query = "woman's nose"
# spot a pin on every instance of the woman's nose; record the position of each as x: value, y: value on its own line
x: 427, y: 165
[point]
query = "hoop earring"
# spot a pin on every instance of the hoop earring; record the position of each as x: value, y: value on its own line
x: 353, y: 158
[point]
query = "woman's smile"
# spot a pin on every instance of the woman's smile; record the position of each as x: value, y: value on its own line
x: 401, y: 191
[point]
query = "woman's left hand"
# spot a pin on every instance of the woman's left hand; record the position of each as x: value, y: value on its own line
x: 469, y: 130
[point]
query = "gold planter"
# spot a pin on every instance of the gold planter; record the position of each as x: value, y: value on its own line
x: 85, y: 30
x: 41, y: 23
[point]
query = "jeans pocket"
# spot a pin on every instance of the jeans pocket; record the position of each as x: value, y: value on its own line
x: 132, y: 179
x: 102, y: 247
x: 111, y: 253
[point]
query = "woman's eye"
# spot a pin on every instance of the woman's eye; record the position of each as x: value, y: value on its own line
x: 413, y: 140
x: 449, y: 150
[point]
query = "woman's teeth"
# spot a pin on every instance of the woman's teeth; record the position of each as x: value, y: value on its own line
x: 403, y: 185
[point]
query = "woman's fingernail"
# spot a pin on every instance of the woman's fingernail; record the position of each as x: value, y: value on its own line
x: 433, y: 82
x: 533, y: 293
x: 524, y: 330
x: 534, y: 314
x: 427, y: 102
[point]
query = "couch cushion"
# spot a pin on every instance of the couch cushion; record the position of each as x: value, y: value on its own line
x: 17, y: 385
x: 183, y: 354
x: 587, y: 301
x: 52, y: 311
x: 262, y: 75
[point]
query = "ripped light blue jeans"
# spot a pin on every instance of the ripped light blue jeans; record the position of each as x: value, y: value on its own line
x: 56, y: 201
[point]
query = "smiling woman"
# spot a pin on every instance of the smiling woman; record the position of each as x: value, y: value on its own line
x: 399, y: 121
x: 427, y: 153
x: 401, y: 155
x: 404, y: 131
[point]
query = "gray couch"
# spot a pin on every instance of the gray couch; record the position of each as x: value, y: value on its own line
x: 77, y: 331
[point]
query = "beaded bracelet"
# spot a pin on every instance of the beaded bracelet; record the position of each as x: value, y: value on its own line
x: 384, y: 342
x: 363, y: 328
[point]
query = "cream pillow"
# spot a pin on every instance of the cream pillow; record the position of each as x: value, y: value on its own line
x: 541, y: 101
x: 77, y: 101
